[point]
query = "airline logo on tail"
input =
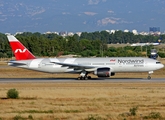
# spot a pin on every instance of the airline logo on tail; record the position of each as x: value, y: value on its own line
x: 19, y: 50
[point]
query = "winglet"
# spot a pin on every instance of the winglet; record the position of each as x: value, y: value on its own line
x: 19, y: 50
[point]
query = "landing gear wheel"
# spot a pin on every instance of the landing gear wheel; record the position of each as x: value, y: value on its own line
x: 84, y: 78
x: 80, y: 78
x: 89, y: 77
x: 149, y: 73
x: 149, y: 77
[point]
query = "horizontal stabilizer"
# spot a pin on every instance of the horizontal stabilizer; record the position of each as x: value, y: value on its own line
x: 16, y: 63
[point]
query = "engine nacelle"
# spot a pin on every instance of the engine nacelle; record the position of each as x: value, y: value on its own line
x: 104, y: 72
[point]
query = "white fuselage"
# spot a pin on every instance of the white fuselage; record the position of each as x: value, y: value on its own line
x: 116, y: 64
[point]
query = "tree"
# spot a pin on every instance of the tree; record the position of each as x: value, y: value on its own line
x: 12, y: 93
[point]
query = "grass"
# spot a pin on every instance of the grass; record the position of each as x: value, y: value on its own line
x: 80, y: 101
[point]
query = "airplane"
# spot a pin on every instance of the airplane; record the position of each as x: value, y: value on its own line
x: 101, y: 67
x: 146, y: 44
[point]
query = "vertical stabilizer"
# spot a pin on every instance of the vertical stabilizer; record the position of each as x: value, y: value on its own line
x: 19, y: 50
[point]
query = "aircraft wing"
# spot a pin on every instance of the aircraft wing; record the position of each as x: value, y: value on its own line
x: 75, y: 66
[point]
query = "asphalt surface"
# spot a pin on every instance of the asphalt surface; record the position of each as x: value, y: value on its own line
x: 73, y: 80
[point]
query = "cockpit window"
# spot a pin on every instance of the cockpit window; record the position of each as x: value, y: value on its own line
x: 158, y: 62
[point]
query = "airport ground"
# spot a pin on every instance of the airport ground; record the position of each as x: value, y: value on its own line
x: 81, y: 100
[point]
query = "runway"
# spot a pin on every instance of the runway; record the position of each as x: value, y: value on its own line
x: 73, y: 80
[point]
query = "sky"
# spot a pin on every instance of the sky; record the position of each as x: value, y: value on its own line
x: 80, y: 15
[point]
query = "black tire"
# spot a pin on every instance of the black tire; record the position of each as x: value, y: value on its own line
x: 89, y: 77
x: 149, y: 77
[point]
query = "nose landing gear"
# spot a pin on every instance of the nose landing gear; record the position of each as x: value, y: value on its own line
x: 149, y: 75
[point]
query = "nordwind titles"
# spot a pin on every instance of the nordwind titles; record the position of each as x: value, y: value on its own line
x: 130, y: 61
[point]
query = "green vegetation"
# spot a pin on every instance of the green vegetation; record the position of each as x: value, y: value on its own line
x: 72, y: 111
x: 30, y: 117
x: 12, y: 93
x: 94, y: 117
x: 37, y: 111
x: 153, y: 115
x: 133, y: 111
x: 86, y: 45
x: 18, y: 117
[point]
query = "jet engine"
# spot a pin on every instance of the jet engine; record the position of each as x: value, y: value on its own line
x: 104, y: 72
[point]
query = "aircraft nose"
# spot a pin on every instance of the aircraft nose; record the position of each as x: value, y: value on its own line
x: 161, y: 66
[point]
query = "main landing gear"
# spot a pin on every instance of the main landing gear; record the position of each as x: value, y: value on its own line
x: 84, y: 76
x: 149, y: 75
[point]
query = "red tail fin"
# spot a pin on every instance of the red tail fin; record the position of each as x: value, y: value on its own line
x: 19, y: 50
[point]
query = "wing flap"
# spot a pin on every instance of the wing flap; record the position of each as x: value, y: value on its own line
x: 74, y: 66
